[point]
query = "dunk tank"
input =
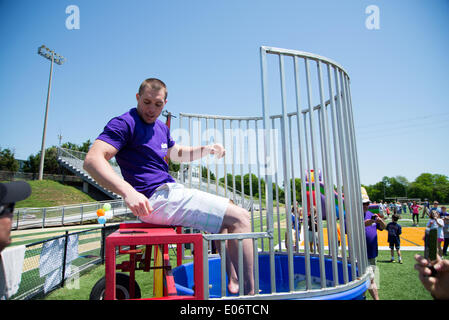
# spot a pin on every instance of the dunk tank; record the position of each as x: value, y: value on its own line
x: 293, y: 167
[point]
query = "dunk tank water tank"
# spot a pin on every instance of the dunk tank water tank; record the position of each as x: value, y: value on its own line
x: 306, y: 127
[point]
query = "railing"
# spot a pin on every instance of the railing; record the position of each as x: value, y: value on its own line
x: 11, y: 176
x: 50, y: 264
x: 25, y: 218
x: 74, y: 160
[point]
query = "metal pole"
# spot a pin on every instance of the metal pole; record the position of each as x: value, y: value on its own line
x: 305, y: 211
x: 41, y: 164
x: 66, y: 239
x: 259, y: 184
x: 317, y: 175
x: 267, y: 155
x: 286, y: 171
x: 274, y: 152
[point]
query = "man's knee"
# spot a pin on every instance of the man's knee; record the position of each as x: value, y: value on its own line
x: 243, y: 219
x: 237, y: 218
x: 246, y: 219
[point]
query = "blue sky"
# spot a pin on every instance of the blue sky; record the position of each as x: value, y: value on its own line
x: 208, y: 54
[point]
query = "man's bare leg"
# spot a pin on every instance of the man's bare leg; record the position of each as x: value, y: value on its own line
x: 233, y: 284
x: 237, y: 220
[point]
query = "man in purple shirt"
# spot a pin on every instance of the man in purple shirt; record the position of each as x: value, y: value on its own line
x: 140, y: 142
x: 373, y: 222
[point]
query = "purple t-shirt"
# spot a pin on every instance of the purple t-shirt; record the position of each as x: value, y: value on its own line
x: 141, y: 150
x: 371, y: 237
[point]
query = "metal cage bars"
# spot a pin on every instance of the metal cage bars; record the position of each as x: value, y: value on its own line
x: 346, y: 174
x: 324, y: 142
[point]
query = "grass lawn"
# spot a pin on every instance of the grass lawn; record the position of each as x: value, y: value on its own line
x: 48, y: 193
x: 396, y: 281
x: 399, y: 281
x: 81, y: 290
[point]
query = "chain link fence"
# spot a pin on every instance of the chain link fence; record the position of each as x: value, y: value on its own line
x: 71, y: 255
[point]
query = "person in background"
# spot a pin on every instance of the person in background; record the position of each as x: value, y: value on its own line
x: 381, y: 208
x: 10, y: 193
x: 313, y: 230
x: 415, y: 213
x: 398, y: 208
x: 394, y: 231
x: 404, y: 207
x: 387, y: 209
x: 445, y: 217
x: 434, y: 223
x: 296, y: 217
x: 372, y: 223
x: 425, y: 209
x: 435, y: 208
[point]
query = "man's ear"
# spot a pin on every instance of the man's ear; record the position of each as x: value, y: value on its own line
x: 137, y: 97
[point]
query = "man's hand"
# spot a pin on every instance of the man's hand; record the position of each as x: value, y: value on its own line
x: 138, y: 203
x: 369, y: 222
x: 216, y: 149
x: 437, y: 285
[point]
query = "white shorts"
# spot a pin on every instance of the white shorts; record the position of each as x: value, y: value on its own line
x: 175, y: 205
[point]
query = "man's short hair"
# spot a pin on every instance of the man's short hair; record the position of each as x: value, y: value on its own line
x: 154, y: 84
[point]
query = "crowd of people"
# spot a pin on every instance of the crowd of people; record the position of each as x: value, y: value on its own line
x: 413, y: 208
x: 437, y: 218
x: 433, y: 273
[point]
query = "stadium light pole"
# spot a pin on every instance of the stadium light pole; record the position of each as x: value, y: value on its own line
x: 54, y: 58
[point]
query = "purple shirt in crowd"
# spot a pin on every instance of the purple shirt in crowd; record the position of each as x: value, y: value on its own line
x: 371, y: 237
x: 141, y: 150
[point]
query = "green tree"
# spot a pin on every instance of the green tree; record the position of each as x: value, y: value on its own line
x: 425, y: 179
x: 254, y: 181
x: 426, y: 186
x: 297, y: 189
x: 374, y: 192
x: 84, y: 147
x: 204, y: 172
x: 398, y: 186
x: 254, y: 185
x: 7, y: 160
x: 418, y: 190
x: 70, y: 146
x: 173, y: 167
x: 31, y: 165
x: 51, y: 165
x: 441, y: 188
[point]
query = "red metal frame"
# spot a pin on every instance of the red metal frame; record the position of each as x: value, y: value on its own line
x: 134, y: 234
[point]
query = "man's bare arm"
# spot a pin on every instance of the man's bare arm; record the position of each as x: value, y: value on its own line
x: 97, y: 165
x: 179, y: 153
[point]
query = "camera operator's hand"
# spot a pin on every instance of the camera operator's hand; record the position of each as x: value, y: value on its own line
x: 437, y: 285
x: 369, y: 222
